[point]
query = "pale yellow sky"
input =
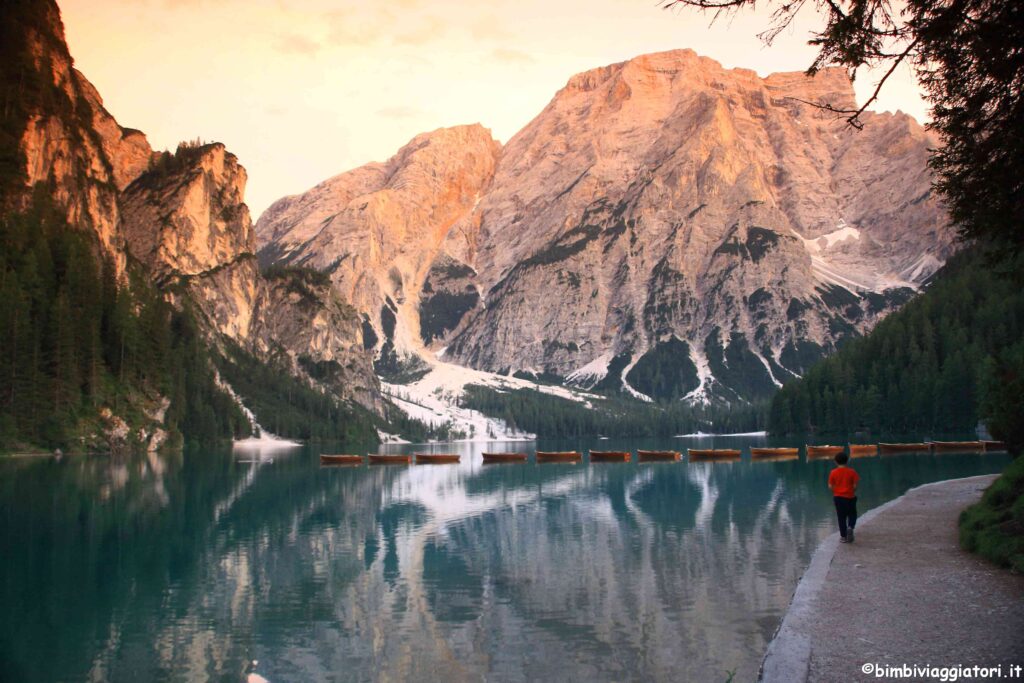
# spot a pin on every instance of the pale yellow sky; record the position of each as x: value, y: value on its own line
x: 302, y: 90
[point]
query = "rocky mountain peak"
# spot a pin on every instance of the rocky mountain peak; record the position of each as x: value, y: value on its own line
x: 301, y: 216
x: 656, y: 205
x: 61, y: 134
x: 186, y: 215
x: 177, y: 219
x: 377, y: 229
x: 186, y: 221
x: 830, y: 85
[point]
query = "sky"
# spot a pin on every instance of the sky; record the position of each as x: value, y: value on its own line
x: 301, y: 90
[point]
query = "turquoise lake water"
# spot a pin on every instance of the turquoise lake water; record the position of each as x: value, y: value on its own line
x: 190, y: 566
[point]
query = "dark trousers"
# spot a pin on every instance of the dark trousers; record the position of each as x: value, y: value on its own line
x: 846, y: 510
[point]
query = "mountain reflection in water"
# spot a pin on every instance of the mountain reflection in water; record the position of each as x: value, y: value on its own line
x: 191, y: 566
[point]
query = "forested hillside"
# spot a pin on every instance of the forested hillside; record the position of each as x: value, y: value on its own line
x: 287, y: 406
x: 550, y: 416
x: 72, y: 342
x: 923, y: 369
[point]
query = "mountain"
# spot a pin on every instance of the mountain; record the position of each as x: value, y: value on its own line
x: 150, y: 260
x: 185, y: 221
x: 946, y: 361
x: 665, y: 227
x: 57, y: 134
x: 378, y: 230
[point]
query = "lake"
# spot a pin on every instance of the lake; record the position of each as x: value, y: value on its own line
x: 190, y: 566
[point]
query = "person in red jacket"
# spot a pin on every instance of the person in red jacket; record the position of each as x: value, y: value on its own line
x: 843, y: 481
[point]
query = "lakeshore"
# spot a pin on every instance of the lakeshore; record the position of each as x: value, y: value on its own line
x: 466, y: 571
x: 903, y: 594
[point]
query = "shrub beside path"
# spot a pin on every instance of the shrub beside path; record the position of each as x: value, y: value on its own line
x: 903, y: 593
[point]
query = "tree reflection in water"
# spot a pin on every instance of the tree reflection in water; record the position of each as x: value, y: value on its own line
x: 192, y: 566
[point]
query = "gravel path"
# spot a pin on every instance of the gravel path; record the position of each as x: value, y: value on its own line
x: 903, y: 593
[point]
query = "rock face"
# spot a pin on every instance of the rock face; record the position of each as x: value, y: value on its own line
x: 187, y: 215
x: 665, y: 226
x: 186, y: 221
x: 73, y: 146
x: 378, y: 229
x: 180, y: 217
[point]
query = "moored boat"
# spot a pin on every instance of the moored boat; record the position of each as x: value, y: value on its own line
x: 994, y: 445
x: 658, y: 456
x: 610, y: 456
x: 859, y: 450
x: 901, y: 447
x: 341, y: 460
x: 957, y: 445
x: 713, y: 453
x: 437, y: 458
x: 826, y: 451
x: 504, y: 457
x: 772, y: 452
x: 559, y: 456
x: 389, y: 459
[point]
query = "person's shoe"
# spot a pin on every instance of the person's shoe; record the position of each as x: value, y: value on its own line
x: 849, y: 536
x: 844, y: 539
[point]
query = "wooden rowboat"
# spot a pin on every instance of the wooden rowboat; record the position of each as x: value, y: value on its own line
x: 713, y: 453
x: 826, y: 451
x: 958, y: 445
x: 341, y: 460
x: 901, y: 447
x: 504, y: 457
x: 994, y: 445
x: 610, y: 456
x: 389, y: 459
x: 559, y: 456
x: 658, y: 456
x: 437, y: 458
x: 858, y: 450
x: 771, y: 452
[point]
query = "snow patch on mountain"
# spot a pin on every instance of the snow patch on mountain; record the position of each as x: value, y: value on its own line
x: 704, y: 376
x: 386, y: 438
x: 440, y: 408
x: 630, y: 390
x: 777, y: 355
x: 591, y: 373
x: 921, y: 268
x: 767, y: 366
x: 434, y: 398
x: 261, y: 438
x: 841, y: 234
x: 835, y: 261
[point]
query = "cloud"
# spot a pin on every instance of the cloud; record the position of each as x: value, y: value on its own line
x: 346, y: 27
x: 503, y: 54
x: 401, y: 25
x: 489, y: 27
x: 295, y: 44
x: 400, y: 112
x: 431, y: 28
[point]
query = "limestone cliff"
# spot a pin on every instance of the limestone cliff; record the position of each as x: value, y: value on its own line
x: 665, y: 225
x: 178, y: 220
x: 66, y: 140
x: 186, y: 221
x: 377, y: 230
